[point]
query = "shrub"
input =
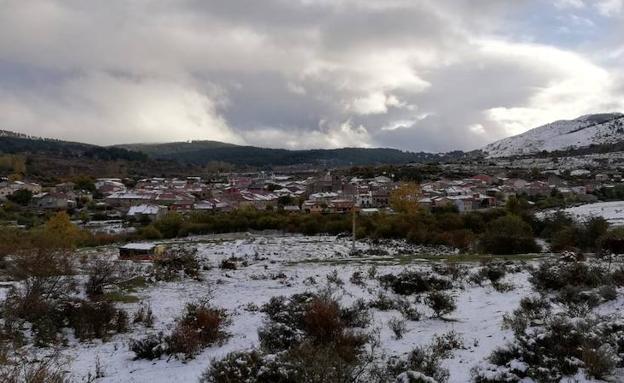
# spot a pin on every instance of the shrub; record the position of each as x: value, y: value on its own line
x: 333, y: 278
x: 49, y: 370
x: 557, y: 274
x: 398, y: 327
x: 316, y: 320
x: 509, y: 235
x: 608, y: 292
x: 201, y: 325
x: 443, y: 345
x: 558, y: 349
x: 357, y: 278
x: 151, y: 347
x: 94, y: 319
x: 174, y: 265
x: 532, y: 311
x: 246, y: 366
x: 409, y: 311
x: 423, y: 360
x: 382, y: 302
x: 440, y: 302
x: 577, y: 301
x: 100, y: 273
x: 228, y: 264
x: 144, y: 315
x: 413, y: 282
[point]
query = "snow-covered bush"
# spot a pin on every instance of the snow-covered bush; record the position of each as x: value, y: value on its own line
x: 410, y: 282
x: 177, y: 264
x: 398, y: 327
x: 424, y: 360
x: 533, y: 310
x: 151, y: 347
x: 555, y: 274
x: 200, y: 326
x: 443, y: 345
x: 558, y: 349
x: 440, y: 302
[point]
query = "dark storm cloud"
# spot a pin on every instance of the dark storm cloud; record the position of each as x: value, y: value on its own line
x: 418, y: 75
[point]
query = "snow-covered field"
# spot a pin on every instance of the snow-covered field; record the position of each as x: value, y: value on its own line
x: 612, y: 211
x: 284, y: 265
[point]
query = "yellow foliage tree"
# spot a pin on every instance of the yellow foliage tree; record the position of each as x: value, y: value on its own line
x: 404, y: 199
x: 60, y: 232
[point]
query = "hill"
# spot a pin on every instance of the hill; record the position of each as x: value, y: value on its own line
x: 585, y: 131
x: 17, y: 143
x: 203, y: 152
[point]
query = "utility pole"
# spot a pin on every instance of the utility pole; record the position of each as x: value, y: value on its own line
x: 353, y: 218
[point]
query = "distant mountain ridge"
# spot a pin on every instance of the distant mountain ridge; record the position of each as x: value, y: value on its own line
x: 19, y: 143
x: 203, y: 152
x: 584, y: 131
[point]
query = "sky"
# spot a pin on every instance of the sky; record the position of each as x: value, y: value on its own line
x: 418, y: 75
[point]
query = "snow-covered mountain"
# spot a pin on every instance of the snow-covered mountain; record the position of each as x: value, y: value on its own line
x: 603, y: 128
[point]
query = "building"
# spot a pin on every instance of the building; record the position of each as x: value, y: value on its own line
x: 141, y: 251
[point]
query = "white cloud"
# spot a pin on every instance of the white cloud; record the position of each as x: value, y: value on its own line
x: 300, y: 73
x: 106, y: 109
x: 576, y: 87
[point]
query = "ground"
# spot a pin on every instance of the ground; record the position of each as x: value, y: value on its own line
x: 283, y: 265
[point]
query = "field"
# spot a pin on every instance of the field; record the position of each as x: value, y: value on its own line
x: 274, y: 265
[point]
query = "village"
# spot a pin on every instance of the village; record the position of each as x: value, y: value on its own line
x: 326, y: 192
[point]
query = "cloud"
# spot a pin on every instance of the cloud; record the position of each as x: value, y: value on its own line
x: 418, y: 75
x: 112, y: 109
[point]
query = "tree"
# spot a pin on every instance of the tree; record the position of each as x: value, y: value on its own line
x: 21, y: 197
x: 84, y: 183
x: 509, y: 235
x: 60, y: 233
x: 404, y: 199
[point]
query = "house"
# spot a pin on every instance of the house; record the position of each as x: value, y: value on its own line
x: 8, y: 188
x: 141, y: 251
x: 291, y: 208
x: 601, y: 177
x: 55, y: 201
x: 146, y: 211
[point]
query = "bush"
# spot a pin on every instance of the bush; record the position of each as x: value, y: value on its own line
x: 413, y: 282
x: 423, y: 360
x: 201, y: 325
x: 556, y: 274
x: 100, y: 274
x: 443, y: 345
x: 144, y: 315
x: 440, y: 302
x: 246, y: 366
x: 228, y: 264
x: 532, y: 311
x: 29, y: 371
x: 558, y: 349
x: 174, y: 265
x: 94, y: 319
x: 151, y: 347
x: 398, y: 327
x: 509, y: 235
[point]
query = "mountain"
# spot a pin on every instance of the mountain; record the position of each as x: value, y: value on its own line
x: 18, y: 143
x: 585, y: 131
x: 203, y: 152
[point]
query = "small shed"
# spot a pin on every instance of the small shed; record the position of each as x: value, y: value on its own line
x: 141, y: 251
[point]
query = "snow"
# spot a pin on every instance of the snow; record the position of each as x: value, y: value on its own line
x: 612, y: 211
x: 560, y: 135
x: 138, y: 246
x: 300, y: 258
